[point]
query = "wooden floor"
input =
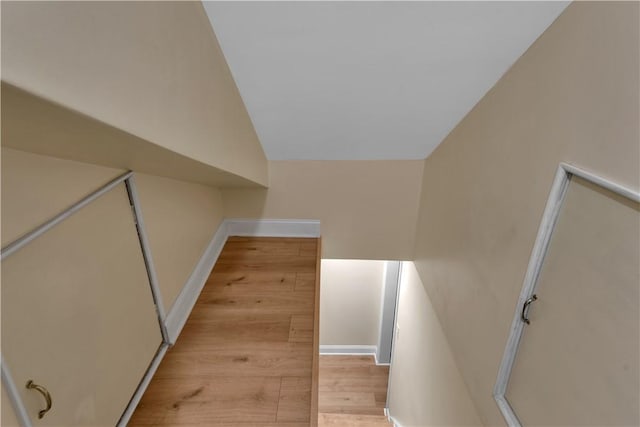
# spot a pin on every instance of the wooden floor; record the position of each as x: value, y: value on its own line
x: 244, y: 358
x: 352, y: 391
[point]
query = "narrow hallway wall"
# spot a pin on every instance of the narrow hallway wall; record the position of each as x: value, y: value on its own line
x: 425, y: 385
x: 368, y: 209
x: 572, y: 97
x: 350, y: 301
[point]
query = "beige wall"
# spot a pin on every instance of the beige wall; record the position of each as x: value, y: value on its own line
x: 368, y: 209
x: 572, y: 97
x: 153, y: 69
x: 425, y: 385
x: 35, y: 188
x: 36, y: 125
x: 350, y: 301
x: 180, y: 219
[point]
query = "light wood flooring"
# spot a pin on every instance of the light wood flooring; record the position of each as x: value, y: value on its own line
x: 352, y: 391
x: 246, y: 355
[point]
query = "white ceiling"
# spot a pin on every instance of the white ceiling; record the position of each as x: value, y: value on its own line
x: 368, y: 80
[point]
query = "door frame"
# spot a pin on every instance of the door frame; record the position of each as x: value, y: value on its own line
x: 545, y: 231
x: 129, y: 181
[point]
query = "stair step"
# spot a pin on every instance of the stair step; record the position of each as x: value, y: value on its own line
x: 352, y: 420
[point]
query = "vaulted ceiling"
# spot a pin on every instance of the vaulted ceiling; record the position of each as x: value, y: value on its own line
x: 369, y: 80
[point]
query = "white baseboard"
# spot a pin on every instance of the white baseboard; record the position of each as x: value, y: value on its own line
x: 355, y: 350
x: 352, y: 350
x: 273, y: 227
x: 348, y: 349
x: 184, y: 303
x: 392, y: 420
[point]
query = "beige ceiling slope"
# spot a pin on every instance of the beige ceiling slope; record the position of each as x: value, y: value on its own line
x: 152, y: 70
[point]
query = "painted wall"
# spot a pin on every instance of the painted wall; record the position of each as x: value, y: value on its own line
x: 153, y: 69
x: 35, y: 188
x: 573, y: 97
x: 425, y: 385
x: 350, y: 300
x: 31, y: 123
x: 180, y: 217
x: 368, y: 209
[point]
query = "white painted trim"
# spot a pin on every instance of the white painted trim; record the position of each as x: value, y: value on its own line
x: 274, y: 227
x: 186, y: 300
x: 142, y: 387
x: 148, y: 258
x: 390, y: 418
x: 354, y: 350
x: 395, y: 328
x: 602, y: 182
x: 545, y: 231
x: 14, y: 395
x: 388, y: 311
x: 40, y: 230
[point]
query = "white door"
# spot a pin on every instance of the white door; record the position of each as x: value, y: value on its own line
x: 78, y: 316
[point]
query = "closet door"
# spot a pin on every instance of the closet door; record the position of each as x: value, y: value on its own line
x: 78, y: 316
x: 577, y: 362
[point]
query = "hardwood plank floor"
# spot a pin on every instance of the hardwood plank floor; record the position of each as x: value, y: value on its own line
x: 245, y: 356
x: 352, y: 391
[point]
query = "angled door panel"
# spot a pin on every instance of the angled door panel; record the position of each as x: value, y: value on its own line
x: 577, y: 360
x: 78, y: 315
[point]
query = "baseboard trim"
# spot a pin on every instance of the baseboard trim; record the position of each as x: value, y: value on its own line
x: 355, y: 350
x: 392, y: 420
x: 352, y: 350
x: 187, y: 298
x: 273, y: 227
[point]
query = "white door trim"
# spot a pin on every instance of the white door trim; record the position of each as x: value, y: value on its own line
x: 186, y: 300
x: 43, y: 228
x: 142, y: 387
x: 14, y: 395
x: 146, y: 254
x: 395, y: 331
x: 549, y: 219
x: 388, y: 311
x: 13, y: 247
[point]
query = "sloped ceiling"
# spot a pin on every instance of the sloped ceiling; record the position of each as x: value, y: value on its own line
x: 369, y: 80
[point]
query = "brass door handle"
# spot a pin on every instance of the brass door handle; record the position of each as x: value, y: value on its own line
x: 44, y: 392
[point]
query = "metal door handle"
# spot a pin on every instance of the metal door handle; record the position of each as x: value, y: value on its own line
x: 44, y: 392
x: 526, y: 304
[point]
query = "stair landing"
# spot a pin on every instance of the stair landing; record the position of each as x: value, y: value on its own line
x: 352, y: 391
